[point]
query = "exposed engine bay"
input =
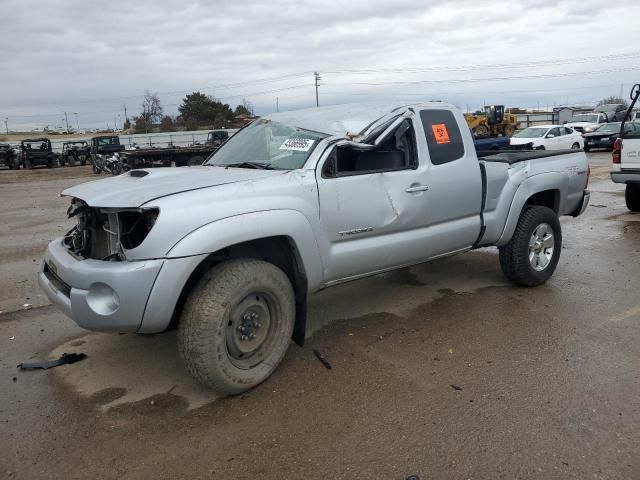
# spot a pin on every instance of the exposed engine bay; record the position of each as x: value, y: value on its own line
x: 106, y: 234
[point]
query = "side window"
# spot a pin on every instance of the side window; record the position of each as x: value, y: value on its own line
x: 566, y: 131
x: 443, y: 136
x: 396, y: 152
x: 554, y: 131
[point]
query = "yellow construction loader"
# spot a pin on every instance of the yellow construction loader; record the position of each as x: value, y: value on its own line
x: 492, y: 121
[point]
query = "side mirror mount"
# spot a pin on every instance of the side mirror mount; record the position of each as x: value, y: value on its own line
x: 551, y: 135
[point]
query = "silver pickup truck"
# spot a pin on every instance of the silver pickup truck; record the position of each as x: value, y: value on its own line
x: 228, y: 252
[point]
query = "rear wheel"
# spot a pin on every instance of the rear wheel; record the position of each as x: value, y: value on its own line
x: 532, y: 254
x: 508, y: 130
x: 236, y: 325
x: 481, y: 131
x: 632, y: 197
x: 28, y: 164
x: 586, y: 149
x: 575, y: 146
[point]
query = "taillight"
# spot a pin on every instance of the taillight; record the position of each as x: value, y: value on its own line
x: 586, y: 183
x: 617, y: 148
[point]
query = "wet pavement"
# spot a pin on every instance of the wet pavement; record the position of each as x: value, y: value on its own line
x: 443, y: 370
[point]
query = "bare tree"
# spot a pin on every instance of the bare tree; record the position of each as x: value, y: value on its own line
x: 151, y: 107
x: 613, y: 99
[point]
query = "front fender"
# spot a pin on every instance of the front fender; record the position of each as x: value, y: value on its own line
x: 230, y: 231
x: 529, y: 187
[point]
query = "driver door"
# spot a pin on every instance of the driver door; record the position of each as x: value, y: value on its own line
x: 373, y: 205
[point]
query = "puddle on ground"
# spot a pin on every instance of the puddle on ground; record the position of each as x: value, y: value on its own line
x: 123, y: 369
x: 626, y: 217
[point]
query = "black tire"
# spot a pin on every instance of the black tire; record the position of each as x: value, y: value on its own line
x: 541, y: 147
x: 586, y: 149
x: 28, y: 164
x: 214, y: 314
x: 632, y: 197
x: 116, y: 169
x: 96, y: 170
x: 515, y: 255
x: 575, y: 146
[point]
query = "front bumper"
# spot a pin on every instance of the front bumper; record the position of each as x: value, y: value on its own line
x: 114, y: 296
x: 632, y: 176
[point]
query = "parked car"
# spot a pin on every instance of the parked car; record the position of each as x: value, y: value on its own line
x: 549, y: 137
x: 626, y: 159
x: 607, y: 134
x: 484, y: 144
x: 587, y: 122
x: 294, y: 203
x: 615, y: 111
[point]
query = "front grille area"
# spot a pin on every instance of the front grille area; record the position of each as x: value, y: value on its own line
x: 105, y: 234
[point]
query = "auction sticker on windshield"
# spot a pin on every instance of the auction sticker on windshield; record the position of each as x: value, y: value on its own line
x: 297, y: 144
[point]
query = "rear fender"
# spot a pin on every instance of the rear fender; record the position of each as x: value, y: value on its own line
x: 526, y: 190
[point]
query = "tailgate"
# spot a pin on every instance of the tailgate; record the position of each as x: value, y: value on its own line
x: 630, y: 154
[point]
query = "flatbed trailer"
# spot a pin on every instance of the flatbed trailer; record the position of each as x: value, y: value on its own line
x: 165, y: 157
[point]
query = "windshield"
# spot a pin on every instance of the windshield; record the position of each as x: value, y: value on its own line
x: 267, y: 144
x: 585, y: 118
x: 109, y: 141
x: 532, y: 132
x: 609, y: 127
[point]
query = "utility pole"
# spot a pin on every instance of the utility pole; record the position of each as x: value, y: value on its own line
x: 277, y: 106
x: 77, y: 122
x: 6, y: 124
x: 66, y: 120
x: 126, y: 119
x: 317, y: 78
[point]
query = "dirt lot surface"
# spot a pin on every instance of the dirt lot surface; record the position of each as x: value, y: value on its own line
x: 444, y: 370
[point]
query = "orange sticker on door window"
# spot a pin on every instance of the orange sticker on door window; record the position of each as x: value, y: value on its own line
x: 440, y: 133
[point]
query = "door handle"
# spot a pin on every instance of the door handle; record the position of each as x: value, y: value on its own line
x: 417, y: 188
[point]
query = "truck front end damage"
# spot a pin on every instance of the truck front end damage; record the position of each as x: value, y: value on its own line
x: 87, y: 275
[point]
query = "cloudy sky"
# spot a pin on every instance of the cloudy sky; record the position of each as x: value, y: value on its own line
x: 90, y: 59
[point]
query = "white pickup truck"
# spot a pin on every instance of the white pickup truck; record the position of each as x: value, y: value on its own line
x: 296, y: 202
x: 626, y: 158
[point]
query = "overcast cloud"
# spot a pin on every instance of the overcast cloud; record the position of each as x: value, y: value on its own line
x: 90, y: 58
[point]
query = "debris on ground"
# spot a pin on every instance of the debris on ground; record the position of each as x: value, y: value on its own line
x: 455, y: 387
x: 66, y: 358
x: 323, y: 360
x: 27, y: 305
x: 597, y: 205
x: 450, y: 350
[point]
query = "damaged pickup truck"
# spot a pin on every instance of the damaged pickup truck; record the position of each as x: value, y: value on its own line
x: 228, y: 252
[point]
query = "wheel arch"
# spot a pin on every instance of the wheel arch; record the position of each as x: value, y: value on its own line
x: 547, y: 190
x: 281, y: 237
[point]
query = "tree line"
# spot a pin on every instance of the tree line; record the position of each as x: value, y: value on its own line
x: 197, y: 110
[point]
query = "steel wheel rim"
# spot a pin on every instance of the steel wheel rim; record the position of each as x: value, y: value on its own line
x: 541, y: 247
x: 250, y: 331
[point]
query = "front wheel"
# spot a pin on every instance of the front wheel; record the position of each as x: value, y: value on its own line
x: 586, y: 149
x: 532, y: 254
x: 236, y: 325
x: 575, y: 146
x: 632, y: 197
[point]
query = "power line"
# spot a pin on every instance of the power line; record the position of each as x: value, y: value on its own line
x: 492, y: 79
x: 536, y: 63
